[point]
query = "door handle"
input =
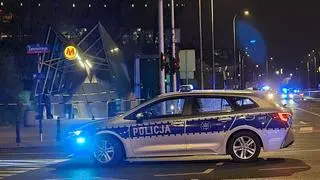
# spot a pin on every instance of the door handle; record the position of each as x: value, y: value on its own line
x: 178, y: 123
x: 225, y: 119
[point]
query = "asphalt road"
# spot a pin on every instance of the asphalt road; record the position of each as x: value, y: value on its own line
x: 300, y: 161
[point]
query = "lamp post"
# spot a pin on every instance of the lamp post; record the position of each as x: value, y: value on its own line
x: 246, y: 13
x: 201, y: 48
x: 212, y: 33
x: 267, y: 67
x: 315, y: 68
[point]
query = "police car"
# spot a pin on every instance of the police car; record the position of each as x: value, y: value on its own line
x: 236, y: 123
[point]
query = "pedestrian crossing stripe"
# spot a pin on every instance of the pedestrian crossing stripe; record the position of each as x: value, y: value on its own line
x: 14, y: 167
x: 7, y: 172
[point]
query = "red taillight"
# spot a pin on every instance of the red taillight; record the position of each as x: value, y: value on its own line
x: 281, y: 116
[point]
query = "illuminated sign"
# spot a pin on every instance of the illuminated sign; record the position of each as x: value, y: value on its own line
x: 70, y: 53
x: 38, y: 48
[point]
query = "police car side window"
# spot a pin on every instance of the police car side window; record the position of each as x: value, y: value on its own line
x: 171, y: 107
x: 212, y: 105
x: 161, y: 109
x: 243, y: 103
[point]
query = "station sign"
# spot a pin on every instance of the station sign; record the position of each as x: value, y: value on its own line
x: 38, y: 48
x: 70, y: 53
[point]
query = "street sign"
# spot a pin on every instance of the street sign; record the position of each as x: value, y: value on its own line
x: 70, y: 53
x: 187, y: 64
x: 38, y: 48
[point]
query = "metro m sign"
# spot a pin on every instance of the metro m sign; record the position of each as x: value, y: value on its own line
x: 70, y: 53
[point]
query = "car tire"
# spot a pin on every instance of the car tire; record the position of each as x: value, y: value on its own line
x: 107, y: 151
x: 244, y: 146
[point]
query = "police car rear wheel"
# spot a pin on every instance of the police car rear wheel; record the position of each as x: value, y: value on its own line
x: 244, y: 147
x: 107, y: 151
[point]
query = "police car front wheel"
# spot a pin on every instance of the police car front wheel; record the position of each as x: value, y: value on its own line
x: 244, y: 146
x: 107, y: 151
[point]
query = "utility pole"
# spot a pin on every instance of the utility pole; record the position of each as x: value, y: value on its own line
x: 161, y: 48
x: 213, y: 60
x: 308, y: 69
x: 174, y: 75
x: 315, y: 71
x: 201, y: 49
x: 240, y: 72
x: 235, y: 48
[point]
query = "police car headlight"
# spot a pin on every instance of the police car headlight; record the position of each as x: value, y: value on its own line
x: 75, y: 133
x: 81, y: 140
x: 270, y: 96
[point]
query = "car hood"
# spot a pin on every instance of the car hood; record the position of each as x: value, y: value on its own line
x: 93, y: 126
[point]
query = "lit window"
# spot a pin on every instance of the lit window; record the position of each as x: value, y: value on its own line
x: 177, y: 5
x: 1, y: 3
x: 21, y: 4
x: 145, y: 5
x: 168, y: 4
x: 39, y: 4
x: 73, y: 5
x: 89, y: 5
x: 182, y: 5
x: 132, y: 5
x: 105, y: 5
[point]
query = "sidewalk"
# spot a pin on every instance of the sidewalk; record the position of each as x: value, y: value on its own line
x: 30, y: 135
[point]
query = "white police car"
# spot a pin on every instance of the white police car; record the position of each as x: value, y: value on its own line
x: 238, y: 123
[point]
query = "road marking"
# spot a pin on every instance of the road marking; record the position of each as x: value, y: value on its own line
x: 22, y: 168
x: 303, y: 129
x: 283, y: 168
x: 304, y: 123
x: 185, y: 174
x: 10, y: 171
x: 292, y: 151
x: 31, y: 153
x: 219, y: 164
x: 313, y: 113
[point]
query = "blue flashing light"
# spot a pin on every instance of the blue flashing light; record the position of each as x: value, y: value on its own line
x: 285, y: 90
x: 186, y: 88
x: 253, y: 41
x: 296, y: 91
x: 284, y: 96
x: 266, y: 88
x: 81, y: 140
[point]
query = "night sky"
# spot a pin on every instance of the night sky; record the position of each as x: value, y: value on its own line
x: 290, y: 28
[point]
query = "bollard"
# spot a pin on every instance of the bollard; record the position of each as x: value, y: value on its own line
x: 58, y: 130
x: 18, y: 140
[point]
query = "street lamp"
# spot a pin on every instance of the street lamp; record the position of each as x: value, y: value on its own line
x: 277, y: 72
x: 267, y: 67
x: 245, y: 13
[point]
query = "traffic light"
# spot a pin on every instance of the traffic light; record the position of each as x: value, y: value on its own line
x: 163, y: 61
x: 175, y: 65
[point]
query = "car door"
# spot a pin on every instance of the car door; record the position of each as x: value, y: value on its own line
x: 211, y: 118
x: 160, y: 132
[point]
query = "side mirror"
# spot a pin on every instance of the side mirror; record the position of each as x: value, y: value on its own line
x: 140, y: 116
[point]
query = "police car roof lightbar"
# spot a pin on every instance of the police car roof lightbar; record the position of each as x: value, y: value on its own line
x: 186, y: 88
